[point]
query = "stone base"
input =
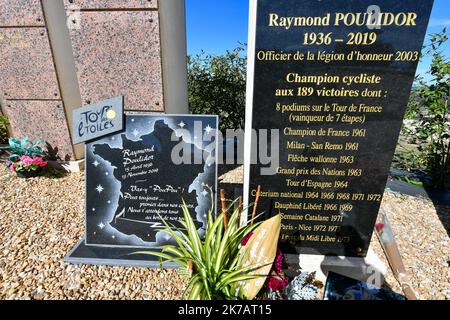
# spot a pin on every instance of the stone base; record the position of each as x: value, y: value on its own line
x: 112, y: 256
x: 69, y: 166
x: 369, y: 269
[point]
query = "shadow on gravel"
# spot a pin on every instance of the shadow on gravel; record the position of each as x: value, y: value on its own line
x: 441, y: 201
x: 439, y: 198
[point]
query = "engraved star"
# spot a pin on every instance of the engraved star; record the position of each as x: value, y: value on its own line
x: 182, y: 124
x: 135, y: 132
x: 208, y: 129
x: 101, y: 225
x: 96, y: 163
x: 99, y: 188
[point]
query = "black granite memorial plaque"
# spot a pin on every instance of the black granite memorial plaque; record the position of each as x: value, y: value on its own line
x: 333, y: 78
x: 135, y: 177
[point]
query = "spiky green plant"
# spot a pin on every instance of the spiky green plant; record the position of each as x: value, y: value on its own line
x: 213, y: 262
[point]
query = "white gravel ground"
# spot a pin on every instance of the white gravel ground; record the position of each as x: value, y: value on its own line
x: 42, y: 219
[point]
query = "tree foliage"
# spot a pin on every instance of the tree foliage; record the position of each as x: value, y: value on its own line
x: 434, y: 128
x: 415, y: 104
x: 217, y: 85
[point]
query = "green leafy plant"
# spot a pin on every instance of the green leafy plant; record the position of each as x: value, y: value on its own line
x: 214, y: 262
x: 408, y: 157
x: 4, y: 129
x: 217, y: 85
x: 434, y: 129
x: 24, y: 147
x: 413, y: 181
x: 425, y: 142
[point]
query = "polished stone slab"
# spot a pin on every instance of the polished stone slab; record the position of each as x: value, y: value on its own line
x: 118, y: 53
x: 26, y: 65
x: 41, y: 120
x: 335, y: 139
x: 111, y: 4
x: 369, y: 268
x: 119, y: 257
x: 21, y: 13
x: 134, y: 179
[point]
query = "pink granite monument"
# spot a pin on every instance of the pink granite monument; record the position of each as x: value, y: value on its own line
x: 115, y: 49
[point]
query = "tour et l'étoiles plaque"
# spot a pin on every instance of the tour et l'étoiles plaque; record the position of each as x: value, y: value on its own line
x: 97, y: 120
x: 334, y: 77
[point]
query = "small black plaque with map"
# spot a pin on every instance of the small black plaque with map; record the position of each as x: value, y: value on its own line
x: 140, y: 175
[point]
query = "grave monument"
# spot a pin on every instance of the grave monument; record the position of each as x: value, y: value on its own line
x: 332, y: 80
x: 139, y: 176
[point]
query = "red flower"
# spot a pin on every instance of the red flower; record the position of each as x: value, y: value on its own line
x: 277, y: 283
x: 278, y: 264
x: 246, y: 238
x: 37, y: 160
x: 43, y: 164
x: 379, y: 227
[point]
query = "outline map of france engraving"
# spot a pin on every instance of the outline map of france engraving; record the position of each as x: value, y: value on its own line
x: 159, y: 183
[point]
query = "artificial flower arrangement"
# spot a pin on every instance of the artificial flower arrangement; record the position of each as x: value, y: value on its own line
x: 25, y: 158
x: 279, y: 286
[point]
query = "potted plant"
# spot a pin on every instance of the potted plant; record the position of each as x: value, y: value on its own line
x: 211, y: 263
x: 222, y: 265
x: 25, y: 158
x: 28, y: 167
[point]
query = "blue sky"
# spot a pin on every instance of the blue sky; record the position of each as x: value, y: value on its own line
x: 218, y: 25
